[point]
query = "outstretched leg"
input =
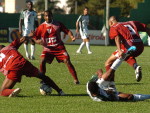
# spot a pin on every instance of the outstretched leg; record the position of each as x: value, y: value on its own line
x: 6, y: 88
x: 71, y: 70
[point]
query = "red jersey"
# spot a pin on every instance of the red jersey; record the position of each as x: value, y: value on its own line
x: 10, y: 58
x: 128, y: 31
x: 50, y: 33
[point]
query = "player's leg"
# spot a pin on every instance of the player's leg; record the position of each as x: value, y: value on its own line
x: 6, y: 88
x: 87, y: 41
x: 71, y: 70
x: 80, y: 47
x: 138, y: 70
x: 26, y: 49
x: 47, y: 80
x: 31, y: 71
x: 32, y: 49
x: 133, y: 97
x: 82, y: 44
x: 43, y: 65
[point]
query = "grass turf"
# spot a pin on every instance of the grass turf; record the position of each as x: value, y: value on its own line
x: 77, y: 101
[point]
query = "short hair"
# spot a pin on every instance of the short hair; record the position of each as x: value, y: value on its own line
x: 48, y: 11
x: 86, y: 8
x: 1, y: 46
x: 29, y: 1
x: 93, y: 87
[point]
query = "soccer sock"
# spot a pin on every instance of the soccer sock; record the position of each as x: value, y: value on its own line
x: 81, y: 46
x: 6, y: 92
x: 32, y: 50
x: 116, y: 63
x: 42, y: 68
x: 102, y: 83
x: 107, y: 67
x: 72, y: 71
x: 140, y: 97
x: 131, y: 62
x: 26, y: 50
x: 88, y: 46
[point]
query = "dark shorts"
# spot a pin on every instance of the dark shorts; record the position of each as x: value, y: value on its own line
x: 28, y: 70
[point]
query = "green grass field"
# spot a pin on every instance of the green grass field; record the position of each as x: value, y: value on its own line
x: 77, y: 101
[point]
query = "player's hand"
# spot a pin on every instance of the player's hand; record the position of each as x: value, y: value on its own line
x: 73, y: 38
x: 31, y: 34
x: 22, y: 39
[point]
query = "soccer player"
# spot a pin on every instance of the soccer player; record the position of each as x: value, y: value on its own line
x: 48, y: 35
x: 13, y: 66
x: 82, y: 26
x: 28, y: 18
x: 126, y: 35
x: 99, y: 93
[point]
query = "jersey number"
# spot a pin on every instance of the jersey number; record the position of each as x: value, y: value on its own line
x: 2, y: 56
x: 132, y: 31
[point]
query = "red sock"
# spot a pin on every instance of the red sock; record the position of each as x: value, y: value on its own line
x: 107, y: 67
x: 42, y: 68
x: 7, y: 92
x: 72, y: 71
x: 131, y: 61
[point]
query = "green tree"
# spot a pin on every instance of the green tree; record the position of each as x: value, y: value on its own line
x: 40, y: 6
x: 96, y: 7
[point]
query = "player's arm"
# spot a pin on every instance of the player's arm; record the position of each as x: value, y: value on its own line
x: 21, y: 21
x: 118, y: 44
x: 77, y: 24
x: 71, y: 35
x: 20, y: 25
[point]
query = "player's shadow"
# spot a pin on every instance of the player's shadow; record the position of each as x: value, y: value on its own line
x: 129, y: 83
x: 69, y: 95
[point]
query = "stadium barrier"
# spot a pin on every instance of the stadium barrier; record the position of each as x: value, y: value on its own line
x: 95, y: 36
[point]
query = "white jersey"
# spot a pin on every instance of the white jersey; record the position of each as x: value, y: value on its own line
x: 103, y: 95
x: 29, y: 20
x: 83, y: 24
x: 83, y: 21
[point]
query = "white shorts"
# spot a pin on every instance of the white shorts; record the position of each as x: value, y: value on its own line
x: 26, y: 32
x: 84, y: 33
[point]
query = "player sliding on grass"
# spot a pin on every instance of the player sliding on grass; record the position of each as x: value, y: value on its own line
x: 13, y: 66
x: 48, y: 35
x: 126, y: 35
x: 98, y: 92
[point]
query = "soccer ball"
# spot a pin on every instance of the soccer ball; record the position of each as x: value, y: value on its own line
x: 45, y: 89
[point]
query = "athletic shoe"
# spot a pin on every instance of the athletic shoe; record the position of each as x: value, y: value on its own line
x: 79, y: 52
x: 15, y: 92
x: 89, y: 52
x: 138, y: 73
x: 61, y: 93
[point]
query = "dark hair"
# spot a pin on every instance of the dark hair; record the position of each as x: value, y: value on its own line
x: 1, y: 46
x: 28, y: 1
x: 86, y: 8
x: 93, y: 87
x: 48, y: 11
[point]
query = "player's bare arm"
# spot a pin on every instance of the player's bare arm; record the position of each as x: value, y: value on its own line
x: 118, y: 44
x: 71, y: 36
x: 77, y: 27
x: 20, y: 26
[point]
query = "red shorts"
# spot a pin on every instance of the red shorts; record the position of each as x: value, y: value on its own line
x: 139, y: 50
x: 59, y: 54
x: 28, y: 70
